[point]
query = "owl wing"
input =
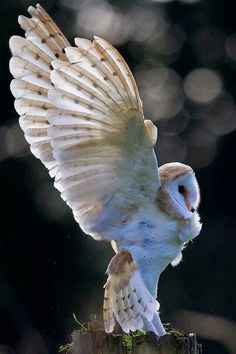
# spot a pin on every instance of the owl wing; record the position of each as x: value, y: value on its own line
x: 82, y: 115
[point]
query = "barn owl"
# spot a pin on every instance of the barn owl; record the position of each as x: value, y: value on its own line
x: 81, y: 113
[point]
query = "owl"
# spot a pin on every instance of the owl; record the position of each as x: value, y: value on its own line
x: 82, y: 115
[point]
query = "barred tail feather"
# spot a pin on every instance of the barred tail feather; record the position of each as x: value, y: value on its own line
x: 127, y: 299
x: 109, y: 320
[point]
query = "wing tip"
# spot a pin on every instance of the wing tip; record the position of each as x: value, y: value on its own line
x: 32, y: 10
x: 83, y: 43
x: 12, y: 42
x: 23, y: 22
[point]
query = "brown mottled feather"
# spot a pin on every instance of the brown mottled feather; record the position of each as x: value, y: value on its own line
x: 126, y: 297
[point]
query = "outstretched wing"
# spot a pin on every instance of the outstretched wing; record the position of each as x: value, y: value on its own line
x: 82, y: 114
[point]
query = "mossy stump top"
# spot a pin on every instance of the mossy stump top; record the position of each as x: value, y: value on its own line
x: 96, y: 341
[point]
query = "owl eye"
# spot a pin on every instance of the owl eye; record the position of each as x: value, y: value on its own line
x: 181, y: 189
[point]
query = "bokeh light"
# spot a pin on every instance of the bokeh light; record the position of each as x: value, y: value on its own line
x: 103, y: 20
x: 16, y: 144
x: 144, y: 24
x: 202, y: 85
x: 13, y: 143
x: 166, y: 44
x: 220, y: 118
x: 161, y: 91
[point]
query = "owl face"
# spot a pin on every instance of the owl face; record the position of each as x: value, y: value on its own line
x: 179, y: 190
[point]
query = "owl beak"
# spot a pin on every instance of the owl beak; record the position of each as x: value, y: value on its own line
x: 189, y: 206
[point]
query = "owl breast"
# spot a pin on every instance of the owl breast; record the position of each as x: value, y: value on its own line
x: 153, y: 240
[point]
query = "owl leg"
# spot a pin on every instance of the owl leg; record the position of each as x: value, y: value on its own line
x: 154, y: 326
x: 158, y: 325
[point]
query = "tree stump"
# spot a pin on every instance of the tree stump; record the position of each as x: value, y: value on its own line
x: 96, y: 341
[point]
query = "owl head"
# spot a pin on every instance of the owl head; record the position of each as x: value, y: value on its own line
x: 179, y: 194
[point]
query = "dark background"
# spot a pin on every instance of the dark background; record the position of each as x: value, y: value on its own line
x: 48, y: 268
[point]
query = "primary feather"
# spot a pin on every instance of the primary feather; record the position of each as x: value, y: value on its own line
x: 31, y: 66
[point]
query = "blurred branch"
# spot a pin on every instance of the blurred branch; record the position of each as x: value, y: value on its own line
x: 208, y: 326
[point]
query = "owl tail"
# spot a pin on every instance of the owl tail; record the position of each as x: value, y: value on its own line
x: 127, y: 299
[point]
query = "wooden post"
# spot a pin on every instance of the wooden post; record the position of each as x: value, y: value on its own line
x: 96, y: 341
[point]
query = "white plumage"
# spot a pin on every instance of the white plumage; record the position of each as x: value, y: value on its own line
x: 82, y: 115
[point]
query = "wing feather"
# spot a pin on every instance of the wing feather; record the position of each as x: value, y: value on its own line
x: 31, y: 67
x: 85, y: 77
x: 83, y: 90
x: 120, y: 68
x: 88, y: 56
x: 82, y: 115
